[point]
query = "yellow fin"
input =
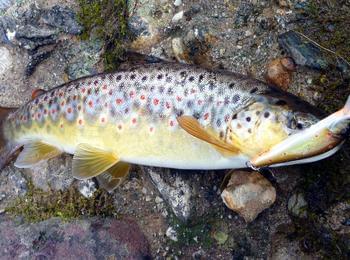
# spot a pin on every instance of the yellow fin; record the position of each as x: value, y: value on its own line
x: 114, y: 176
x: 89, y: 161
x: 192, y: 126
x: 35, y: 152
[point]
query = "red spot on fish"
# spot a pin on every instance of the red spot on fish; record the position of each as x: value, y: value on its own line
x: 193, y: 91
x: 132, y: 94
x: 219, y: 103
x: 167, y: 105
x: 61, y: 125
x: 79, y: 107
x: 45, y: 111
x: 119, y: 101
x: 155, y: 101
x: 75, y: 97
x: 95, y: 82
x: 39, y: 115
x: 53, y: 111
x: 151, y: 129
x: 69, y: 110
x: 206, y: 116
x: 110, y: 93
x: 62, y: 103
x: 60, y: 94
x: 142, y: 97
x: 80, y: 121
x: 227, y: 118
x: 83, y: 90
x: 91, y: 104
x: 199, y: 102
x: 171, y: 123
x: 134, y: 120
x: 103, y: 120
x: 104, y: 87
x: 178, y: 98
x: 120, y: 127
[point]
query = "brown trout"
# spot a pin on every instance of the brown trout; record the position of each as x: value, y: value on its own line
x: 164, y: 114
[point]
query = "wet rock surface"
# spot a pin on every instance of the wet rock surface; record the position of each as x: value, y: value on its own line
x: 88, y: 238
x: 180, y: 213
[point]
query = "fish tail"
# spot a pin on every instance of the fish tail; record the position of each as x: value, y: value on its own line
x: 7, y: 149
x: 346, y: 108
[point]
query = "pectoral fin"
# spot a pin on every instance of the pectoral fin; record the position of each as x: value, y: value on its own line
x: 35, y: 152
x: 192, y: 126
x: 114, y: 176
x: 89, y: 161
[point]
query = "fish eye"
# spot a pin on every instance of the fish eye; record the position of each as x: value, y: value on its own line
x: 300, y: 126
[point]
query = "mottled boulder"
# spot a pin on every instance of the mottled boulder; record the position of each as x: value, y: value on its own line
x: 248, y: 194
x: 76, y: 239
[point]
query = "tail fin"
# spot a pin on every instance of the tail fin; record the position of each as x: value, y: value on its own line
x: 347, y: 106
x: 7, y: 150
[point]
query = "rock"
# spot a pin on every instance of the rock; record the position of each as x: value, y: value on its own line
x: 178, y: 2
x: 5, y: 60
x: 279, y: 72
x: 53, y: 174
x: 180, y: 51
x: 338, y: 218
x: 248, y: 194
x: 87, y: 188
x: 244, y: 11
x: 12, y: 184
x: 171, y: 233
x: 4, y: 4
x: 36, y: 59
x: 175, y: 190
x: 177, y: 17
x: 283, y: 247
x: 306, y: 53
x: 297, y: 205
x: 31, y: 37
x: 84, y: 239
x: 62, y: 18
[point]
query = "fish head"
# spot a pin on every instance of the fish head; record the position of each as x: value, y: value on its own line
x: 261, y: 125
x: 317, y: 141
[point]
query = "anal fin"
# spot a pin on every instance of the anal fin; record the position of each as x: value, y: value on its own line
x: 89, y: 161
x: 35, y: 152
x: 114, y: 176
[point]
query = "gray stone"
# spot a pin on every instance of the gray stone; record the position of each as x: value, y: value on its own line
x: 53, y: 174
x: 5, y: 60
x: 175, y: 190
x: 307, y: 53
x: 31, y: 37
x: 4, y: 4
x: 297, y: 205
x: 62, y: 18
x: 248, y: 194
x: 12, y: 184
x: 87, y: 188
x: 75, y: 239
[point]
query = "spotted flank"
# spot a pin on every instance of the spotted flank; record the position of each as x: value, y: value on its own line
x: 163, y: 114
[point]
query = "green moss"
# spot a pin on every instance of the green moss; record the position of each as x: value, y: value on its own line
x: 38, y: 205
x: 105, y: 20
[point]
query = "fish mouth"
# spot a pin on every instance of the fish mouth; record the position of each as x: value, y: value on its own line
x: 296, y: 150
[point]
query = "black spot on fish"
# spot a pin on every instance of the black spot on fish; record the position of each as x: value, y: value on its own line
x: 183, y: 73
x: 232, y: 85
x: 248, y: 119
x: 133, y: 76
x: 191, y: 78
x: 201, y: 77
x: 218, y: 123
x: 234, y: 117
x: 170, y: 91
x: 97, y: 90
x: 189, y: 104
x: 235, y: 98
x: 119, y: 77
x: 179, y: 112
x: 168, y: 79
x: 222, y: 134
x: 161, y: 90
x: 144, y: 78
x: 253, y: 90
x: 257, y: 113
x: 210, y: 99
x: 160, y: 76
x: 300, y: 126
x: 196, y: 115
x: 249, y: 131
x: 212, y: 86
x: 103, y: 77
x: 266, y: 114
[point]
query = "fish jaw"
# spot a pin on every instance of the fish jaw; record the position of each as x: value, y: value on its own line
x: 311, y: 142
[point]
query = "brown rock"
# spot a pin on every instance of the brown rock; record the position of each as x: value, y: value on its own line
x: 279, y: 72
x: 248, y: 194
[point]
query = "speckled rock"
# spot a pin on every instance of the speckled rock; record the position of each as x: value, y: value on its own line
x: 53, y: 174
x: 248, y: 194
x: 83, y: 239
x: 297, y: 205
x: 174, y: 188
x: 12, y: 184
x: 5, y: 60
